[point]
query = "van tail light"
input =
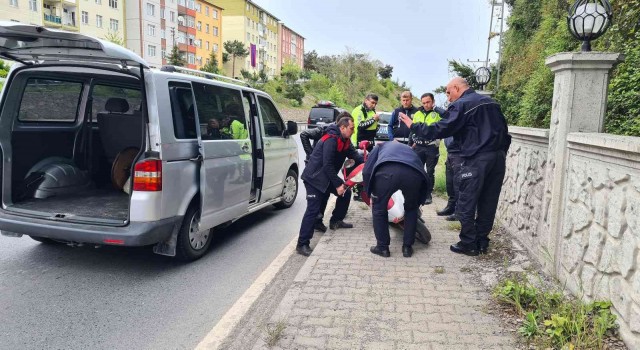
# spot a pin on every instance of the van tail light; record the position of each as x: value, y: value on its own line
x: 309, y: 121
x: 147, y: 175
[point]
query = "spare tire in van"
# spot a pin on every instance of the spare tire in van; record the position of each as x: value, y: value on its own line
x: 56, y: 176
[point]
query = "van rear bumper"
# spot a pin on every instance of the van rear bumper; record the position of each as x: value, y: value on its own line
x: 134, y: 234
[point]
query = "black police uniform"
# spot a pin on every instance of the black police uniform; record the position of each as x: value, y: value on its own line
x: 306, y: 138
x: 320, y: 178
x: 479, y: 127
x: 397, y: 129
x: 452, y: 164
x: 390, y: 167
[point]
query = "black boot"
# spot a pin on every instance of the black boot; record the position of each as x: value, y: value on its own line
x: 319, y: 226
x: 448, y: 210
x: 304, y: 250
x: 429, y: 200
x: 452, y: 217
x: 339, y: 224
x: 383, y: 252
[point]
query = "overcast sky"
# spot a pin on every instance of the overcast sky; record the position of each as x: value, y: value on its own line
x: 416, y: 37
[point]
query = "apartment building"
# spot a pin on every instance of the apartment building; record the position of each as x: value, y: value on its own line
x: 144, y: 29
x: 100, y: 18
x: 291, y: 46
x: 257, y: 29
x: 208, y: 37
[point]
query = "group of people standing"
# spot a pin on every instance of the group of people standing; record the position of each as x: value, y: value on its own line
x: 476, y: 137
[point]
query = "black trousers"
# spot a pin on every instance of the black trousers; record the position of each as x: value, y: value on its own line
x: 452, y: 166
x: 429, y: 156
x: 315, y: 201
x: 390, y: 178
x: 480, y: 179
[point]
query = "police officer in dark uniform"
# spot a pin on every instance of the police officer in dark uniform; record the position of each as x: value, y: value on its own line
x: 396, y: 129
x: 390, y: 167
x: 321, y: 179
x: 452, y: 165
x: 306, y: 138
x: 479, y: 127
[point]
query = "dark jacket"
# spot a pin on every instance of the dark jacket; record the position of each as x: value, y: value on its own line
x: 475, y: 122
x: 325, y: 161
x: 393, y: 152
x: 311, y: 135
x: 397, y: 128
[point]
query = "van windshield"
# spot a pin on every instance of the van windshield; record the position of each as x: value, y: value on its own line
x: 324, y: 113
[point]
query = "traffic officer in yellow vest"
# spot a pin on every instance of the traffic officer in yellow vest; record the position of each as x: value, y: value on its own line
x: 366, y: 120
x: 427, y: 150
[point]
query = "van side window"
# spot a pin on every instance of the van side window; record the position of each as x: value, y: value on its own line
x: 221, y: 112
x: 47, y: 100
x: 182, y: 110
x: 273, y: 124
x: 106, y: 96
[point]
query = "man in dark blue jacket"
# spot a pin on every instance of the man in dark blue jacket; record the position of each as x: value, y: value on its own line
x: 321, y: 180
x: 390, y: 167
x: 480, y: 129
x: 397, y: 130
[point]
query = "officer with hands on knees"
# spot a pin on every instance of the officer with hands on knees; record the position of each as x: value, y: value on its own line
x: 480, y: 129
x: 390, y: 167
x: 320, y: 178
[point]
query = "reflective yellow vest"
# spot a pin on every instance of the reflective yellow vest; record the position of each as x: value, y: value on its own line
x: 358, y: 117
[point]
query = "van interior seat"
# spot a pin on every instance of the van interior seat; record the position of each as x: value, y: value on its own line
x: 119, y: 130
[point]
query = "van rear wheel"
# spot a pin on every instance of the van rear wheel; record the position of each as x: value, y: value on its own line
x: 289, y: 191
x: 192, y: 242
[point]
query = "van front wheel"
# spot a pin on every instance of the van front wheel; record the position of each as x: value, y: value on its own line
x: 192, y: 242
x: 289, y: 191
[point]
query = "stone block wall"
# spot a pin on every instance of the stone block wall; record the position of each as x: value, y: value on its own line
x: 597, y: 252
x: 522, y: 200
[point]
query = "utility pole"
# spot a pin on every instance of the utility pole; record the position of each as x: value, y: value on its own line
x: 493, y: 5
x: 500, y: 44
x: 173, y: 36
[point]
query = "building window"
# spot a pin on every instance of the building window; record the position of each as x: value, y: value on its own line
x: 151, y: 30
x: 172, y: 16
x: 13, y: 3
x: 191, y: 22
x: 113, y: 4
x: 163, y: 34
x: 33, y: 5
x: 207, y: 45
x: 198, y: 7
x: 98, y: 2
x: 199, y: 26
x: 248, y: 36
x: 248, y: 7
x: 151, y: 51
x: 163, y: 13
x: 151, y: 9
x: 191, y: 4
x: 85, y: 17
x: 215, y: 14
x: 163, y: 53
x: 215, y: 47
x: 215, y: 31
x: 98, y: 21
x: 191, y: 58
x: 113, y: 25
x: 206, y: 28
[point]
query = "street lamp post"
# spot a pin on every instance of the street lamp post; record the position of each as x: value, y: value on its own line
x: 588, y: 20
x: 483, y: 76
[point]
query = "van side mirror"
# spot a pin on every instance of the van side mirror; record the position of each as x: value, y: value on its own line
x: 292, y: 128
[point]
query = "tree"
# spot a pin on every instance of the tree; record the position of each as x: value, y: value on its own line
x: 115, y: 38
x: 294, y: 92
x: 235, y: 49
x: 175, y: 58
x: 311, y: 60
x: 212, y: 65
x: 290, y: 72
x: 225, y: 57
x: 385, y: 72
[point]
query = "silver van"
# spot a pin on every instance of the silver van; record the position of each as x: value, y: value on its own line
x: 99, y: 148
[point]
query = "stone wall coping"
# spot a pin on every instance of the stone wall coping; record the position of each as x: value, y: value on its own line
x: 583, y: 60
x: 614, y: 142
x: 531, y: 132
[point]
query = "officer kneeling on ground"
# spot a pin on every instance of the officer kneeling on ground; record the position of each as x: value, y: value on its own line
x: 480, y: 129
x: 390, y: 167
x: 321, y: 180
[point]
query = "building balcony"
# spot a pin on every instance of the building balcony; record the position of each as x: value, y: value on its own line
x: 52, y: 19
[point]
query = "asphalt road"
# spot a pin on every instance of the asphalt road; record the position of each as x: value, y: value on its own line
x: 59, y: 297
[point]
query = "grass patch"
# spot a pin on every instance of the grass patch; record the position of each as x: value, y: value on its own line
x: 440, y: 186
x: 554, y: 321
x: 273, y: 332
x: 454, y: 226
x: 439, y: 269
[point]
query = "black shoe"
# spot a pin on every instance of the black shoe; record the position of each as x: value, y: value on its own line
x: 483, y: 247
x: 339, y: 224
x: 428, y: 200
x: 460, y: 249
x: 319, y: 226
x: 452, y: 217
x: 407, y: 251
x: 383, y: 252
x: 304, y: 250
x: 448, y: 210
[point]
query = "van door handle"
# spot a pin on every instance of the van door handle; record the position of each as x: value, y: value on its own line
x: 246, y: 148
x: 196, y: 159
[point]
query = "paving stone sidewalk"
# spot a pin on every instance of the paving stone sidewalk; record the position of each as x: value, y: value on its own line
x: 344, y: 297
